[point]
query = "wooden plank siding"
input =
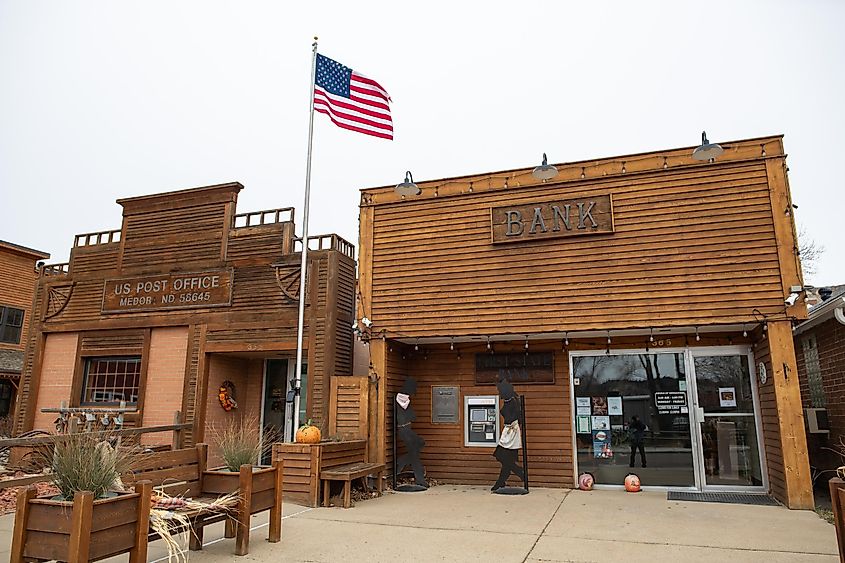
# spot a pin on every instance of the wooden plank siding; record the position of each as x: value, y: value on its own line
x: 18, y: 277
x: 707, y: 245
x: 193, y: 231
x: 680, y: 241
x: 547, y: 421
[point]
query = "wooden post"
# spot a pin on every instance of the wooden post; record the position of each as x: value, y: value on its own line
x: 836, y: 489
x: 377, y: 442
x: 202, y: 462
x: 793, y: 440
x: 21, y: 517
x: 142, y: 528
x: 177, y: 433
x: 80, y: 527
x: 244, y: 510
x: 275, y: 532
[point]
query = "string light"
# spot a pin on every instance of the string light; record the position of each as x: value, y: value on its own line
x: 488, y: 343
x: 624, y: 170
x: 744, y: 332
x: 697, y: 337
x: 452, y: 344
x: 651, y: 335
x: 665, y: 163
x: 582, y: 173
x: 417, y: 345
x: 526, y: 342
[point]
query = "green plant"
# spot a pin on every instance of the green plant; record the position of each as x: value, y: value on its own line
x: 241, y: 441
x: 86, y: 462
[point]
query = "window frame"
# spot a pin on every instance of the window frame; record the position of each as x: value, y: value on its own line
x: 86, y: 364
x: 5, y: 312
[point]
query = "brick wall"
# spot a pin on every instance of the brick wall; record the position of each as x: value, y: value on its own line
x: 247, y: 376
x: 830, y: 340
x: 165, y: 380
x: 56, y: 377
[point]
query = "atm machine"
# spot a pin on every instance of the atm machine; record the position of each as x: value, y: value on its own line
x: 481, y: 420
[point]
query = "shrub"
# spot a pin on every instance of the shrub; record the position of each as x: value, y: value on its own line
x: 86, y: 462
x: 241, y: 441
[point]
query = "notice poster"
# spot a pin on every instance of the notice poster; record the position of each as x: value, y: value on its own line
x: 582, y: 406
x: 599, y: 405
x: 582, y: 424
x: 670, y: 402
x: 582, y: 401
x: 600, y: 422
x: 614, y: 406
x: 582, y: 411
x: 601, y: 444
x: 727, y: 397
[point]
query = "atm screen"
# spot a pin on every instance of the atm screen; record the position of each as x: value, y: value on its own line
x: 478, y: 415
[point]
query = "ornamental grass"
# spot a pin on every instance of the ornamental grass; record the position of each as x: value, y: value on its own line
x: 241, y: 441
x: 87, y: 462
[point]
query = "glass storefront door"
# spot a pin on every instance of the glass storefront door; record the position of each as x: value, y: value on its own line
x: 676, y: 418
x: 730, y: 452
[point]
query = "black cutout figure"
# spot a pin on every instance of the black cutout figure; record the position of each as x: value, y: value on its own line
x: 413, y: 442
x: 511, y: 412
x: 636, y: 432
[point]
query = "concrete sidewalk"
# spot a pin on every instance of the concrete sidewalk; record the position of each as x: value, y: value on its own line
x: 457, y: 523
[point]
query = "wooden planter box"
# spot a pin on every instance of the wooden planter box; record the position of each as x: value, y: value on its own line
x: 220, y: 481
x: 82, y: 530
x: 303, y: 462
x: 837, y: 500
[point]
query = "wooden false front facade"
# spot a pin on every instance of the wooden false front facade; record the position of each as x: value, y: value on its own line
x: 186, y: 295
x: 681, y: 265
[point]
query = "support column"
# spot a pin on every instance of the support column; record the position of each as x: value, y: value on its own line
x: 378, y: 363
x: 793, y: 439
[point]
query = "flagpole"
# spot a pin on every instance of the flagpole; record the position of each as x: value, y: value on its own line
x: 303, y: 266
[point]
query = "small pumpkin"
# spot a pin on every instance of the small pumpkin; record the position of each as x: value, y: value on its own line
x: 585, y: 482
x: 632, y: 483
x: 308, y: 434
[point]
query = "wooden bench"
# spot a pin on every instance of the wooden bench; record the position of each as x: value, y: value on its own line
x: 347, y: 474
x: 184, y: 473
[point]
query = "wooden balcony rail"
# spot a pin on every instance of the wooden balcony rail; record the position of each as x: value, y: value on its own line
x: 91, y: 239
x: 326, y: 242
x: 55, y: 269
x: 266, y: 217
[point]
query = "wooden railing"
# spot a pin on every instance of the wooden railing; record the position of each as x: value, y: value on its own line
x: 92, y: 239
x: 326, y: 242
x: 177, y: 428
x: 55, y: 269
x: 266, y: 217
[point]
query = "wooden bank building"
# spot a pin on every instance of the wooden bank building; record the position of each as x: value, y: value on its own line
x: 655, y: 286
x: 186, y: 297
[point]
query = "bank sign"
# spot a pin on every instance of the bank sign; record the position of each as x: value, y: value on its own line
x: 552, y: 219
x: 169, y: 291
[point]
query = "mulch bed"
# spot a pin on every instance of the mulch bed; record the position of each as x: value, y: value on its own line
x: 9, y: 497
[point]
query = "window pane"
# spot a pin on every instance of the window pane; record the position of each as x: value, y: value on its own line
x: 111, y: 380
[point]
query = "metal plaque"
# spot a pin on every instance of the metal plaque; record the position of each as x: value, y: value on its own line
x: 552, y: 219
x: 445, y: 404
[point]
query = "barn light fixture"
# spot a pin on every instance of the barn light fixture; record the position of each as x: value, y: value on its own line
x: 545, y: 171
x: 408, y: 187
x: 708, y: 151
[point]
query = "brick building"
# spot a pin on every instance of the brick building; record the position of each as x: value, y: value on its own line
x: 185, y: 297
x: 820, y: 355
x: 18, y: 276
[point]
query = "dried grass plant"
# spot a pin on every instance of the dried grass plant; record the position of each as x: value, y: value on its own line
x: 87, y: 462
x: 242, y: 441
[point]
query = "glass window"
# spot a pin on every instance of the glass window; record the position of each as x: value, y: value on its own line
x: 108, y: 381
x: 814, y: 371
x: 11, y: 322
x: 631, y: 411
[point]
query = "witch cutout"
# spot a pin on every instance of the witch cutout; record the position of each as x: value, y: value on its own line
x: 510, y: 440
x: 414, y: 443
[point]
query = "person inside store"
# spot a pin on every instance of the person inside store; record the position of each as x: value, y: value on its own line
x: 510, y: 441
x: 636, y: 434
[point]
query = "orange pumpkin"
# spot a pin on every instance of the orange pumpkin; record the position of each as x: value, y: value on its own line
x: 632, y: 483
x: 308, y: 434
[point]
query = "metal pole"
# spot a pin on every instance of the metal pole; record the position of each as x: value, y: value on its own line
x: 303, y: 267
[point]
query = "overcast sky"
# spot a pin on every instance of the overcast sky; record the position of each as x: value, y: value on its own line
x: 103, y: 100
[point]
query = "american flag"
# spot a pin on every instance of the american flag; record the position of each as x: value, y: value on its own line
x: 351, y: 100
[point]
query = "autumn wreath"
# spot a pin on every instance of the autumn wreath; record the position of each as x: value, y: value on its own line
x: 226, y: 394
